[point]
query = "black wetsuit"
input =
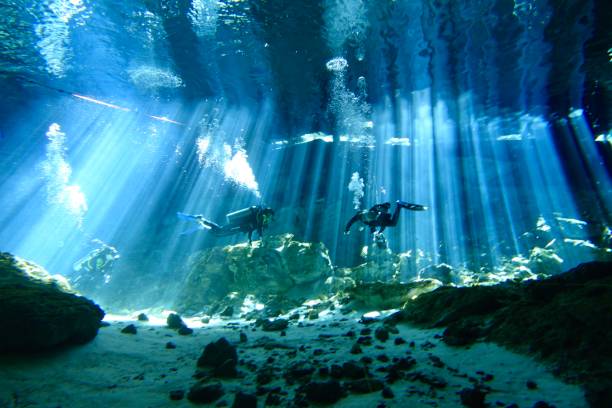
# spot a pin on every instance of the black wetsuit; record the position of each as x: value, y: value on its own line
x: 378, y: 216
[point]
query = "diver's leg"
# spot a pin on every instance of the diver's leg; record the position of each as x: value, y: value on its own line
x: 215, y: 228
x: 392, y: 221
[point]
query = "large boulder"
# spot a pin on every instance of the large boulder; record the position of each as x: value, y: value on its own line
x: 38, y: 311
x: 279, y: 266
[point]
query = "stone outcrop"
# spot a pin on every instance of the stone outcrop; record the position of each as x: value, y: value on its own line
x: 392, y: 295
x: 38, y: 311
x: 563, y: 320
x: 279, y: 266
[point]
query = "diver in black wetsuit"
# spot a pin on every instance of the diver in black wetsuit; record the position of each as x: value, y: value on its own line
x: 378, y: 216
x: 247, y: 220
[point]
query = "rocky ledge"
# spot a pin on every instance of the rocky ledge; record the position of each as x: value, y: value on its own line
x: 563, y: 320
x: 37, y: 310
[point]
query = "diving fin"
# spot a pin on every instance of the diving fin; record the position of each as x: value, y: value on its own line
x: 412, y: 207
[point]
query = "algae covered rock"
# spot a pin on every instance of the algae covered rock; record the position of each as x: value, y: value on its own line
x: 279, y: 265
x: 38, y: 312
x: 382, y: 295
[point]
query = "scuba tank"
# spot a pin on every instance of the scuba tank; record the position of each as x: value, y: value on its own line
x: 241, y: 217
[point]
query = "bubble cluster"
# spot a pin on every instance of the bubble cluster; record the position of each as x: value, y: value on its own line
x: 338, y: 64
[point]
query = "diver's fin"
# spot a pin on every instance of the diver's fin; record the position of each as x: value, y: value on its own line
x: 188, y: 217
x: 412, y: 207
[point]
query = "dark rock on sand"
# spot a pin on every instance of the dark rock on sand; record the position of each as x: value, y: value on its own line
x: 129, y: 329
x: 244, y: 400
x: 327, y: 392
x: 205, y: 393
x: 39, y: 312
x: 382, y: 334
x: 354, y: 370
x: 274, y: 325
x: 221, y: 356
x: 472, y: 397
x: 174, y: 321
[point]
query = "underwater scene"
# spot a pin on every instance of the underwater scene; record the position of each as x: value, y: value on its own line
x: 352, y: 203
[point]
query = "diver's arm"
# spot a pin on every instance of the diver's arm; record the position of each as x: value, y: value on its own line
x: 353, y: 220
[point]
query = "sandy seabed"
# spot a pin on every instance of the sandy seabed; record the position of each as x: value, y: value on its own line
x: 137, y: 370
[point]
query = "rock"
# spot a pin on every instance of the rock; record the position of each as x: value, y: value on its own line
x: 282, y: 266
x: 300, y: 371
x: 39, y: 312
x: 228, y: 311
x: 542, y: 404
x: 177, y: 395
x: 365, y: 385
x: 313, y: 315
x: 327, y: 392
x: 221, y: 356
x: 265, y: 376
x: 472, y: 397
x: 387, y: 393
x: 205, y: 393
x: 382, y: 296
x: 244, y: 400
x: 129, y: 329
x: 184, y: 331
x: 354, y: 370
x: 441, y: 272
x: 544, y: 261
x: 273, y: 399
x: 558, y: 319
x: 174, y: 321
x: 382, y: 334
x: 274, y: 325
x: 428, y: 378
x: 143, y: 317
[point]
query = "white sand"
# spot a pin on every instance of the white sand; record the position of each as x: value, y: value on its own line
x: 122, y: 370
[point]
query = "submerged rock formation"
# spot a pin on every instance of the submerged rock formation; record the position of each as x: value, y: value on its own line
x: 38, y: 312
x: 564, y: 319
x: 279, y: 266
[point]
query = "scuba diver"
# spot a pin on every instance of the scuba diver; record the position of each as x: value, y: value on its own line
x: 254, y: 218
x: 93, y: 270
x: 378, y: 216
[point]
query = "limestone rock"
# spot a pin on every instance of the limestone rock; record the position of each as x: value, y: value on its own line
x: 381, y: 296
x: 280, y: 265
x: 38, y: 311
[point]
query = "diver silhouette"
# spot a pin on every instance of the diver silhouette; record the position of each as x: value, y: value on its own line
x: 247, y: 220
x: 378, y: 216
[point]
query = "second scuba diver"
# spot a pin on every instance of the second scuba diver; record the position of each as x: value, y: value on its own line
x: 247, y: 220
x: 379, y: 217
